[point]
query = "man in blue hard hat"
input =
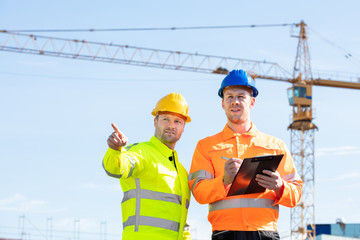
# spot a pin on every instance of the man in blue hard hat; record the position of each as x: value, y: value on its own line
x: 217, y: 159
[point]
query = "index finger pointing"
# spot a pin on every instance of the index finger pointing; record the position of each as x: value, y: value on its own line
x: 115, y: 128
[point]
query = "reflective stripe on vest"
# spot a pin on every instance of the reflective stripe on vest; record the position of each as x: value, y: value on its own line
x: 132, y: 163
x: 137, y: 206
x: 151, y: 221
x: 292, y: 177
x: 243, y: 203
x: 148, y: 194
x: 130, y: 146
x: 199, y: 176
x: 111, y: 174
x: 137, y: 220
x: 203, y: 174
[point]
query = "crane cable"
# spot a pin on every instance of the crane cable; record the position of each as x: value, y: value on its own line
x: 346, y: 53
x: 152, y: 28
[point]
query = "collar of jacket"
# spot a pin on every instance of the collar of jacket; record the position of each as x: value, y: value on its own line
x: 167, y: 152
x: 227, y: 133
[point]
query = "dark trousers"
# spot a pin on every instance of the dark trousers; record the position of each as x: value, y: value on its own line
x: 245, y: 235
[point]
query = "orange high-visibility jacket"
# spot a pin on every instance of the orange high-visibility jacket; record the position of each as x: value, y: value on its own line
x: 248, y: 212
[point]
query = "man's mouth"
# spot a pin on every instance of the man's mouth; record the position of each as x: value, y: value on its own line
x: 170, y: 132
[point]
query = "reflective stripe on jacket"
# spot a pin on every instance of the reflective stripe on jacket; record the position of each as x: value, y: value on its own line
x: 249, y: 212
x: 156, y: 193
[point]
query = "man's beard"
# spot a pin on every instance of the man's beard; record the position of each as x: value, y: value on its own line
x: 169, y: 138
x: 236, y: 119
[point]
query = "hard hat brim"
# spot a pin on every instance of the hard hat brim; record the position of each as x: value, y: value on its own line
x: 186, y: 118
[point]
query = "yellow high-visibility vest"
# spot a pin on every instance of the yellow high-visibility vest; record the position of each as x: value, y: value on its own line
x: 156, y: 193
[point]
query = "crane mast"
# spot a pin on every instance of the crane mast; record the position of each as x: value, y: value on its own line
x: 299, y: 95
x: 302, y: 140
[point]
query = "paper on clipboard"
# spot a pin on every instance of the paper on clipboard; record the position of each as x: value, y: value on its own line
x: 244, y: 181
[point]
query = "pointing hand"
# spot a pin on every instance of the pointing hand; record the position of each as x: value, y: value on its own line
x: 117, y: 139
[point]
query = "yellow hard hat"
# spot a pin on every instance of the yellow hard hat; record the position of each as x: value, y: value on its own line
x: 173, y: 102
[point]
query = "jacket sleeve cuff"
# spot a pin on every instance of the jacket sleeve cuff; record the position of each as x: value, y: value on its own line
x: 283, y: 191
x: 219, y: 184
x: 115, y: 152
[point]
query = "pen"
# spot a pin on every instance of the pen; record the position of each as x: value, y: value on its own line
x: 225, y: 158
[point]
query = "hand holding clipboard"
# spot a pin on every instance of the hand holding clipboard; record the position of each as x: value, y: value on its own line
x: 246, y: 182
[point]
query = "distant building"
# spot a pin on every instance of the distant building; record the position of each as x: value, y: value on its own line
x: 338, y: 231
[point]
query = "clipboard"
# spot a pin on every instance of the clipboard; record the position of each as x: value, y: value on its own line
x: 244, y: 181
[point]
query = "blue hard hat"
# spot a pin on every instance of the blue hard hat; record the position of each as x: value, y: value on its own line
x: 238, y: 78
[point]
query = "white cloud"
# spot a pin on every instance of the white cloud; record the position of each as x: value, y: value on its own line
x: 343, y: 150
x: 19, y: 202
x: 347, y: 176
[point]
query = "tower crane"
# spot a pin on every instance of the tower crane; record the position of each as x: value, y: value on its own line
x: 299, y: 94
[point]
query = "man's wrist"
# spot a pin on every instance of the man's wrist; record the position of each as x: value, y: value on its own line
x: 226, y: 181
x: 279, y: 191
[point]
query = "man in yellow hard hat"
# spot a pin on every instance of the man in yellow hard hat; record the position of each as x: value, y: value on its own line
x: 156, y: 194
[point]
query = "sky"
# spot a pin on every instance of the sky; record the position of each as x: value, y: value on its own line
x: 56, y: 113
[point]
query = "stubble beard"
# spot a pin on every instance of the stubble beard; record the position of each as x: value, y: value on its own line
x: 169, y: 138
x: 236, y: 118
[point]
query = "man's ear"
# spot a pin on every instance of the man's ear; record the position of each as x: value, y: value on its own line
x: 252, y: 103
x: 222, y: 104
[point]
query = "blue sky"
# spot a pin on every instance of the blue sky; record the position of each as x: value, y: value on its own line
x: 56, y: 113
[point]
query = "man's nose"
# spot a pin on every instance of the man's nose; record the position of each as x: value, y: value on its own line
x: 235, y: 102
x: 172, y: 124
